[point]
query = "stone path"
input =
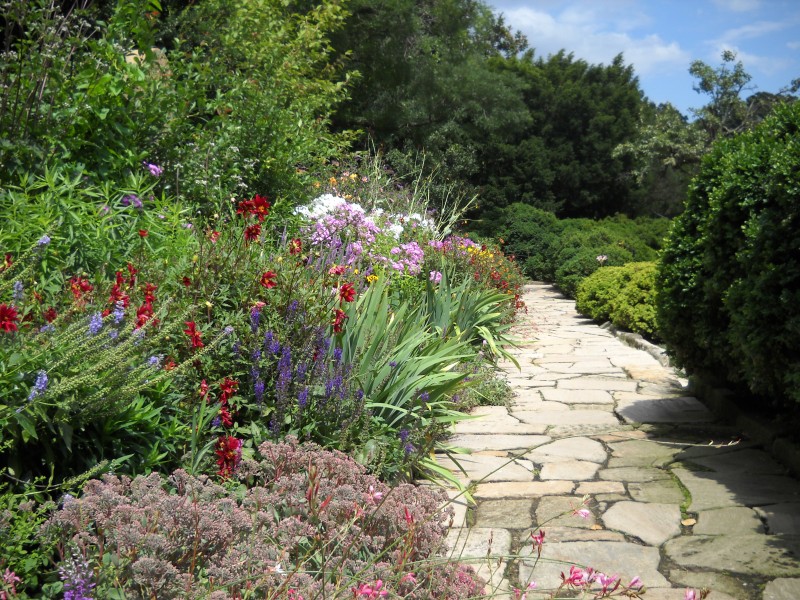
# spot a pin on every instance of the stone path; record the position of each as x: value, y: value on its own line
x: 599, y: 425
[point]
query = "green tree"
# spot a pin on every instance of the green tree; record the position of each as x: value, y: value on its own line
x: 726, y: 112
x: 564, y: 160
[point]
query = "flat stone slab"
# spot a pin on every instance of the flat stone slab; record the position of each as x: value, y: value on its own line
x: 573, y: 534
x: 781, y: 518
x: 751, y: 554
x: 508, y: 514
x: 478, y: 542
x: 652, y: 523
x: 494, y: 420
x: 560, y: 511
x: 665, y: 410
x: 600, y: 487
x: 719, y: 490
x: 593, y: 383
x: 577, y: 396
x: 784, y: 588
x: 723, y: 521
x: 635, y: 474
x: 721, y: 585
x: 477, y: 442
x: 522, y: 489
x: 569, y: 449
x: 568, y: 417
x: 662, y: 490
x: 485, y: 468
x: 614, y: 558
x: 642, y: 453
x: 575, y: 470
x: 746, y: 460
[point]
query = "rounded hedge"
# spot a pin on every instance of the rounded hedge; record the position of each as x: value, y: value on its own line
x: 623, y: 295
x: 728, y: 286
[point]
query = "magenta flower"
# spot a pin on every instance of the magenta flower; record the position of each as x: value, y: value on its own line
x: 370, y: 592
x: 690, y: 594
x: 155, y: 170
x: 436, y: 276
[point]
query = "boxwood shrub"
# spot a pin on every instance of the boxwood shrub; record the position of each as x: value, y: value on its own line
x: 728, y: 287
x: 623, y: 295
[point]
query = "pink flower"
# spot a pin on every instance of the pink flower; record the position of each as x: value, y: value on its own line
x: 577, y: 577
x: 370, y: 592
x: 436, y: 276
x: 607, y: 581
x: 635, y: 583
x: 373, y: 495
x: 690, y: 594
x: 155, y: 170
x: 410, y: 577
x: 582, y: 513
x: 538, y: 540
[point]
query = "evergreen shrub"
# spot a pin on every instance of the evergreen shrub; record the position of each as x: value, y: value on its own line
x: 729, y: 282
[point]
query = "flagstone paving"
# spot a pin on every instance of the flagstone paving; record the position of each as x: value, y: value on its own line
x: 605, y: 450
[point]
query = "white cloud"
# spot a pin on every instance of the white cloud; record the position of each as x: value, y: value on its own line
x: 738, y: 5
x: 793, y: 45
x: 753, y: 30
x: 597, y: 37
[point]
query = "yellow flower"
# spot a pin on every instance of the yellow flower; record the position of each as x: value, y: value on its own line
x: 208, y: 304
x: 353, y: 176
x: 372, y: 278
x: 317, y: 184
x: 332, y: 181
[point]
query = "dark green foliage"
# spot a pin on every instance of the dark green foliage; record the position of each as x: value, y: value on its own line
x: 563, y: 158
x: 729, y: 281
x: 229, y: 98
x: 567, y: 250
x: 623, y: 295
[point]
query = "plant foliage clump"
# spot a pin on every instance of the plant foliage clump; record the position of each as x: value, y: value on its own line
x: 729, y: 281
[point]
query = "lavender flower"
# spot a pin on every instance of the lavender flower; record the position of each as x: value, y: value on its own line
x: 424, y: 396
x: 77, y: 578
x: 119, y: 312
x: 300, y: 372
x: 154, y: 361
x: 255, y: 317
x: 113, y: 334
x: 258, y: 390
x: 284, y: 373
x: 337, y: 355
x: 155, y: 170
x: 216, y: 421
x: 409, y: 448
x: 43, y: 241
x: 49, y: 328
x: 302, y: 398
x: 95, y: 323
x: 39, y: 386
x: 17, y: 294
x: 271, y: 344
x: 228, y: 330
x: 128, y: 199
x: 392, y: 364
x: 404, y: 435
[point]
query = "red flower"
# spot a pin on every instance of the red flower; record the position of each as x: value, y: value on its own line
x: 8, y: 318
x: 268, y: 279
x: 132, y: 271
x: 194, y: 334
x: 252, y: 232
x: 337, y: 270
x: 338, y: 320
x: 186, y: 281
x: 295, y: 246
x: 169, y: 364
x: 50, y: 315
x: 203, y: 389
x: 79, y: 286
x: 213, y: 236
x: 225, y: 415
x: 143, y: 314
x: 258, y: 206
x: 143, y: 233
x: 229, y: 453
x: 228, y: 387
x: 347, y: 293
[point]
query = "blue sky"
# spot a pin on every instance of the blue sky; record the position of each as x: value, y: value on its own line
x: 661, y: 38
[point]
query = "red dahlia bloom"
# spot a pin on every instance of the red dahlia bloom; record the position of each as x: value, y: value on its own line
x: 295, y: 246
x: 229, y: 453
x: 194, y: 334
x: 347, y: 293
x: 50, y: 315
x: 252, y: 232
x: 228, y: 387
x: 8, y: 318
x: 186, y: 281
x: 338, y: 320
x: 268, y: 279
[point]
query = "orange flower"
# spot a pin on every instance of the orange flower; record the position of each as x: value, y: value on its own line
x: 347, y: 293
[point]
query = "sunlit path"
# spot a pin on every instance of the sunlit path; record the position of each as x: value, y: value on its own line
x: 668, y: 498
